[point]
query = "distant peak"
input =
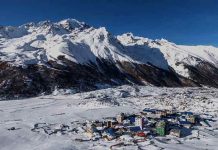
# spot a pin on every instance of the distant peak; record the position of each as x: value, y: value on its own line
x: 129, y: 38
x: 102, y: 30
x: 46, y: 22
x: 162, y: 40
x: 128, y: 34
x: 27, y: 25
x: 72, y: 24
x: 69, y: 21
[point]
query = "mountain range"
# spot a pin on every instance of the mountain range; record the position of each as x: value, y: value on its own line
x: 36, y: 58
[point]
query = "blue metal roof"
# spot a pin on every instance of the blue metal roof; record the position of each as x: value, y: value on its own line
x: 110, y: 131
x: 131, y: 119
x: 135, y: 128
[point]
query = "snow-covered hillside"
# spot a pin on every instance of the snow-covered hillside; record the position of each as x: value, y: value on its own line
x: 56, y: 112
x: 191, y: 55
x: 175, y: 55
x: 136, y: 48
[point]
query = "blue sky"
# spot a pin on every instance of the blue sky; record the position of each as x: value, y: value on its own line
x: 190, y: 22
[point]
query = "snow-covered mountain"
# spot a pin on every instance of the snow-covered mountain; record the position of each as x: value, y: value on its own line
x: 198, y: 63
x: 77, y: 42
x: 37, y: 57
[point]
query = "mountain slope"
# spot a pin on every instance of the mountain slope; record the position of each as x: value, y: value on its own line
x: 37, y: 58
x: 198, y: 63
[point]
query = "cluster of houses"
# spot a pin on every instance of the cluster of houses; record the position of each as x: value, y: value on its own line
x: 149, y: 122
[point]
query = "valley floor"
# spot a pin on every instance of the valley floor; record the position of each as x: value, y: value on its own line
x: 18, y: 117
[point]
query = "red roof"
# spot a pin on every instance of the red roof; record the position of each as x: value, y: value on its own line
x: 141, y: 134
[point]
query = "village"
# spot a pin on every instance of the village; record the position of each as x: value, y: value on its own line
x: 148, y: 123
x: 130, y: 129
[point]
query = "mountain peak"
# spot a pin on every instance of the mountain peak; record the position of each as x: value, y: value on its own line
x: 71, y: 24
x: 130, y: 39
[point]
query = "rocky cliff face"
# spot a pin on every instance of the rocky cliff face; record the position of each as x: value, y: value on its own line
x: 37, y: 58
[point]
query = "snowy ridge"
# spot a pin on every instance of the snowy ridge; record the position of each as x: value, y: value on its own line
x: 173, y: 54
x: 76, y: 41
x: 38, y: 43
x: 137, y: 48
x: 191, y: 55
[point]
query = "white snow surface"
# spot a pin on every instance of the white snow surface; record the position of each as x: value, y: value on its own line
x: 52, y: 112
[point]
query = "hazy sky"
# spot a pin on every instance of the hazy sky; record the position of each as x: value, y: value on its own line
x: 181, y: 21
